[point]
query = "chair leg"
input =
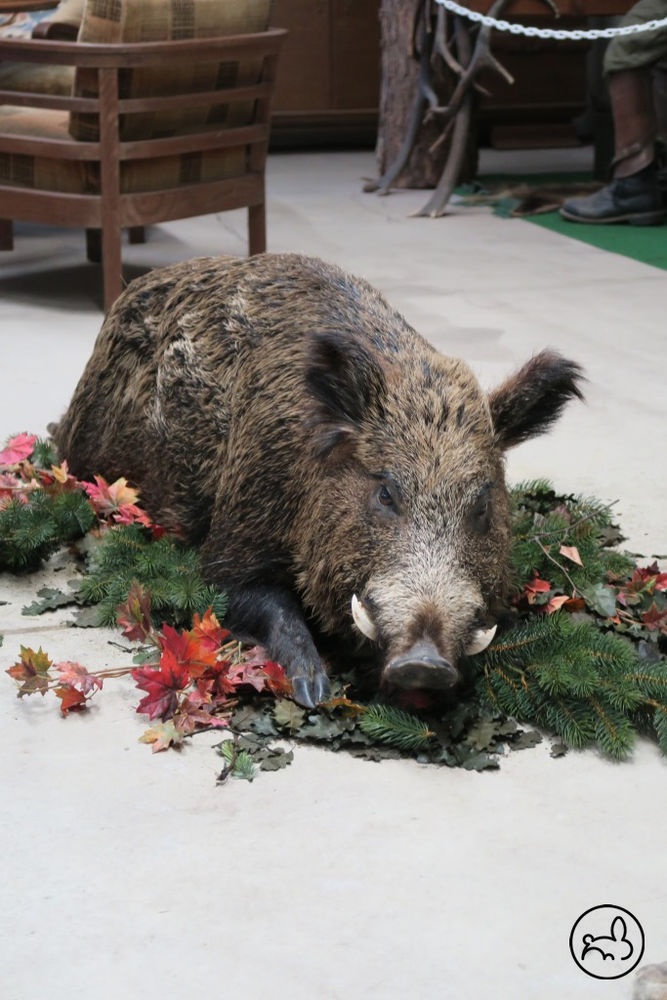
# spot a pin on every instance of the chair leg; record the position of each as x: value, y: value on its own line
x: 137, y: 234
x: 257, y: 229
x: 112, y: 265
x: 94, y: 245
x: 6, y: 234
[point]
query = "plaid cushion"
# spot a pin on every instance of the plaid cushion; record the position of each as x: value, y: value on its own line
x: 144, y: 20
x: 68, y: 176
x: 108, y: 21
x: 77, y: 177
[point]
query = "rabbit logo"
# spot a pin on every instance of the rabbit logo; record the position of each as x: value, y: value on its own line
x: 607, y: 942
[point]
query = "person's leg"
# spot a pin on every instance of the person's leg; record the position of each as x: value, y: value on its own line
x: 634, y: 194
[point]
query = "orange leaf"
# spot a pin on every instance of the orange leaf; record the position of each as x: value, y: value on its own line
x: 71, y: 700
x: 555, y: 603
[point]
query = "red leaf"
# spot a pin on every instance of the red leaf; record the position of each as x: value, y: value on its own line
x: 214, y: 685
x: 129, y: 513
x: 76, y: 676
x: 534, y: 588
x: 251, y: 670
x: 162, y: 686
x: 656, y: 619
x: 193, y: 714
x: 71, y: 700
x: 18, y: 449
x: 277, y: 680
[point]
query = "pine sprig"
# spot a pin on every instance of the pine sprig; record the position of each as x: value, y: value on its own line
x: 165, y: 567
x: 32, y: 531
x: 387, y: 724
x: 572, y: 679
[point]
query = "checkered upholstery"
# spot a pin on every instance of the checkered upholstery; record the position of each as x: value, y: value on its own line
x: 113, y: 21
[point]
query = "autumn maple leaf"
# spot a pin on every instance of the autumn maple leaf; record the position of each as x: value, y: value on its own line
x: 134, y: 616
x: 187, y: 650
x: 163, y: 736
x: 71, y: 700
x: 32, y: 670
x: 252, y: 670
x: 163, y: 687
x: 208, y: 631
x: 277, y: 680
x: 76, y: 676
x: 116, y: 500
x: 18, y: 449
x: 655, y: 618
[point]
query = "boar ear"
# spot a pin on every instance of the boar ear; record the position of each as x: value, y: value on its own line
x: 345, y: 380
x: 528, y: 402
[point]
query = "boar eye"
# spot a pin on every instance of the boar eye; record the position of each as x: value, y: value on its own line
x: 385, y: 497
x: 481, y: 513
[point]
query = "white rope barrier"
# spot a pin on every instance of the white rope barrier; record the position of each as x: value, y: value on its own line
x: 555, y: 33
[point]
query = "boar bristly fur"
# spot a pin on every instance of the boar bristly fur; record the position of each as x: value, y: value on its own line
x: 316, y: 447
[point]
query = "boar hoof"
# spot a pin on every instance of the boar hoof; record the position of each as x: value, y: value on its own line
x: 362, y: 619
x: 421, y: 667
x: 309, y: 691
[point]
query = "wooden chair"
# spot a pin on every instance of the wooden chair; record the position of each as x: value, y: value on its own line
x: 152, y: 130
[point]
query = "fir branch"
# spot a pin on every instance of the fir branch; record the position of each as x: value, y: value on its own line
x: 391, y: 725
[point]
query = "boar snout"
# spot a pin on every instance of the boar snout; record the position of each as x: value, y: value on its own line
x: 421, y: 667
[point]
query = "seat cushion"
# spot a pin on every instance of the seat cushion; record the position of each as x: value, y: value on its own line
x: 40, y: 172
x: 167, y: 20
x: 82, y: 177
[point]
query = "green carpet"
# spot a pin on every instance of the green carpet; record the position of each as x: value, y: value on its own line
x: 647, y: 244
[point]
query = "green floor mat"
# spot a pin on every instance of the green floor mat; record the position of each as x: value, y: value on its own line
x: 647, y: 244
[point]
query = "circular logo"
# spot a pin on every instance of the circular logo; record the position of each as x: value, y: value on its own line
x: 607, y: 942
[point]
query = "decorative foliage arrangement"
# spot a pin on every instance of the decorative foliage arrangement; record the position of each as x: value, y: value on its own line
x: 581, y: 654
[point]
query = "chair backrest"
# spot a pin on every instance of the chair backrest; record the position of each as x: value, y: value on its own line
x: 138, y: 21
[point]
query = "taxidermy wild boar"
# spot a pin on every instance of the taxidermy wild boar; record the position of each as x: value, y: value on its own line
x: 343, y: 479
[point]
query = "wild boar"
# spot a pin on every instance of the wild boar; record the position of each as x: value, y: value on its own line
x: 343, y: 479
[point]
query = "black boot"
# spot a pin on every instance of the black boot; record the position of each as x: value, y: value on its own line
x: 634, y: 194
x: 636, y: 199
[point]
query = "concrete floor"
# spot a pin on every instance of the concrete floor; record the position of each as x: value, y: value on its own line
x: 130, y: 874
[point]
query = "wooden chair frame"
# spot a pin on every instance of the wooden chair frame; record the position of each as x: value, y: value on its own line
x: 111, y: 211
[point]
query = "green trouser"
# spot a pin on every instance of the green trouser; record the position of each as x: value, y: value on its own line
x: 643, y: 49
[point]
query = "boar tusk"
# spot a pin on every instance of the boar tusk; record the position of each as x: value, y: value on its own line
x: 480, y: 640
x: 362, y: 620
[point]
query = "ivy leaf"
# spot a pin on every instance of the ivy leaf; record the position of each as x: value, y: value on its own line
x: 50, y: 598
x: 288, y: 715
x: 601, y: 598
x: 32, y: 670
x: 18, y: 449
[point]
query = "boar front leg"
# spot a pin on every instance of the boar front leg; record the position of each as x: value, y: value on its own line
x: 271, y: 616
